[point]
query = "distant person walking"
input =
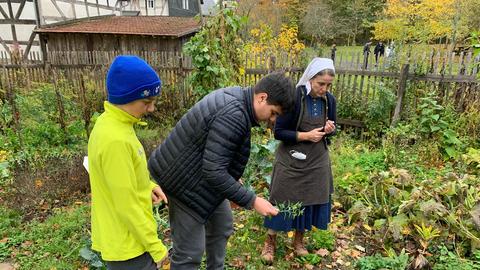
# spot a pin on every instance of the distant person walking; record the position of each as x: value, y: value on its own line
x: 333, y: 52
x: 379, y: 50
x: 366, y: 54
x: 388, y: 51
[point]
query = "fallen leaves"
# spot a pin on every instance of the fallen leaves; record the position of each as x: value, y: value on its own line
x: 420, y: 262
x: 322, y: 252
x: 38, y: 183
x: 360, y: 248
x: 308, y: 266
x: 239, y: 226
x: 6, y: 266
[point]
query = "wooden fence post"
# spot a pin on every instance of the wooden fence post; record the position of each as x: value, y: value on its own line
x: 402, y: 87
x: 86, y: 108
x: 60, y: 105
x: 181, y: 81
x: 11, y: 99
x: 273, y: 63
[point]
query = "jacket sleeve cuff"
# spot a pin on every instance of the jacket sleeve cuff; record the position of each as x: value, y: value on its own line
x: 159, y: 254
x: 250, y: 203
x: 152, y: 185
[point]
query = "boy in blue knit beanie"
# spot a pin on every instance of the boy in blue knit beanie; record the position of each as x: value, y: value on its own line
x: 124, y: 230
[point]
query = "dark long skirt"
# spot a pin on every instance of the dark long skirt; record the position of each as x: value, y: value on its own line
x: 313, y: 215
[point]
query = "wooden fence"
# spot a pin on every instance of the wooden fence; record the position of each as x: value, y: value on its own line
x: 453, y: 77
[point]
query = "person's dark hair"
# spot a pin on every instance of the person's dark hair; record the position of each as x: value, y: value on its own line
x: 279, y: 88
x: 328, y: 71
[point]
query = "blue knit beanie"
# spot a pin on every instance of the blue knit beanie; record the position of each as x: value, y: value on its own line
x: 130, y: 78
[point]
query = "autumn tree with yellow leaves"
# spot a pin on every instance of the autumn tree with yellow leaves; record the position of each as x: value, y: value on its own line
x: 424, y: 20
x: 264, y: 40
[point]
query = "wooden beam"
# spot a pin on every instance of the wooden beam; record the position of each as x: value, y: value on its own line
x: 37, y: 13
x: 20, y: 9
x: 4, y: 45
x: 53, y: 18
x: 30, y: 42
x: 54, y: 2
x: 14, y: 32
x: 5, y: 15
x: 14, y: 21
x: 14, y: 1
x: 447, y: 78
x: 10, y: 9
x: 87, y: 3
x: 23, y: 66
x: 20, y: 42
x: 402, y: 88
x: 12, y: 25
x: 72, y: 4
x: 86, y: 8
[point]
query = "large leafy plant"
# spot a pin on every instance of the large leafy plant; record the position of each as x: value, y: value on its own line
x: 435, y: 124
x: 215, y: 53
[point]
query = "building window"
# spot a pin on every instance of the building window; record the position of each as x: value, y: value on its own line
x: 151, y: 3
x: 185, y: 4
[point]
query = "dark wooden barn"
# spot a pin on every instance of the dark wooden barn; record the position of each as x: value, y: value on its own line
x: 120, y: 34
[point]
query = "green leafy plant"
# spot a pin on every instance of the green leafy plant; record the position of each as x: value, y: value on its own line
x: 349, y: 109
x: 447, y: 260
x: 160, y: 214
x: 472, y: 158
x: 5, y: 174
x: 380, y: 109
x: 427, y: 234
x: 41, y: 134
x: 377, y: 262
x: 91, y: 257
x: 44, y: 244
x: 323, y: 239
x: 290, y: 210
x: 312, y: 259
x: 259, y: 167
x: 215, y: 53
x: 475, y: 42
x: 434, y: 123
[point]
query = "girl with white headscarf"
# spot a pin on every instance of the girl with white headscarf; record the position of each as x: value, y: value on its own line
x: 302, y: 169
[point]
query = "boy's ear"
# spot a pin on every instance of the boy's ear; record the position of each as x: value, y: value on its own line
x: 263, y: 96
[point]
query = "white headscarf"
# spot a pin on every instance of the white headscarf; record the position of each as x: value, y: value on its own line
x: 316, y: 65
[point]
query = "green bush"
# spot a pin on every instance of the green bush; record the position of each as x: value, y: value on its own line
x: 448, y: 260
x: 215, y: 54
x: 435, y: 121
x: 377, y: 262
x: 323, y: 239
x: 40, y: 134
x: 379, y: 110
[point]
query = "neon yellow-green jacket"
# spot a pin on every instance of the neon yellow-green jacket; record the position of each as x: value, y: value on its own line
x: 123, y: 226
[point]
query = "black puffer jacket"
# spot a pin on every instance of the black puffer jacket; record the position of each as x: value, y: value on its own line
x: 201, y: 160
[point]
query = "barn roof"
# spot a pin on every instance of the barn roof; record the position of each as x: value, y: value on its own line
x: 127, y: 25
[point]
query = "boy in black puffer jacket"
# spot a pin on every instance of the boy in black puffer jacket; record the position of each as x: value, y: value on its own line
x: 199, y: 164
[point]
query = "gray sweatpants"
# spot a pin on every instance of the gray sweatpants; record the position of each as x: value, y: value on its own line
x: 142, y: 262
x: 192, y: 238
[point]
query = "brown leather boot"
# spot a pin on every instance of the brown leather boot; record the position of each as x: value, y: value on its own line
x: 298, y: 245
x: 268, y: 251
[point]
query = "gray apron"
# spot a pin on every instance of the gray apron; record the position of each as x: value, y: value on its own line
x: 309, y: 181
